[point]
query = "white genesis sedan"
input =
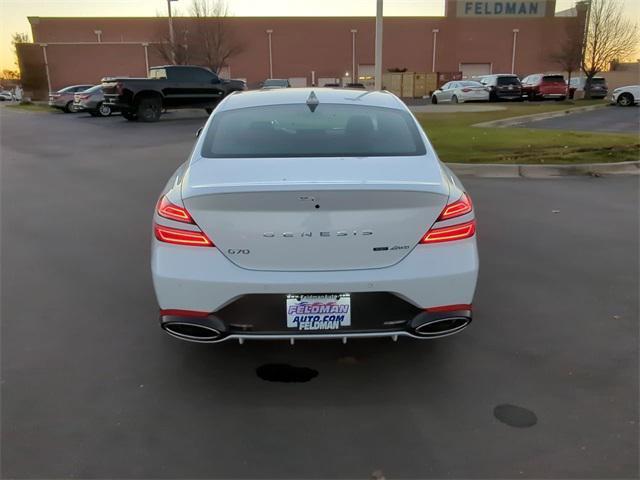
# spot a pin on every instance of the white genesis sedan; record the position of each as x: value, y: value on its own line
x: 313, y: 213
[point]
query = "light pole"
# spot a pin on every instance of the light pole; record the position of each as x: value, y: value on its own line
x: 513, y: 54
x: 171, y: 34
x: 269, y: 32
x: 353, y: 54
x: 435, y: 44
x: 378, y: 61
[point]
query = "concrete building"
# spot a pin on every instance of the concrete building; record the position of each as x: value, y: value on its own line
x: 473, y: 37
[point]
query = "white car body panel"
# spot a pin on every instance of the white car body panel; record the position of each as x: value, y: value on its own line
x: 475, y: 94
x: 633, y: 90
x: 278, y: 209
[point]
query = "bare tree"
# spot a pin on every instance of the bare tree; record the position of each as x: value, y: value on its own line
x: 179, y: 50
x: 569, y: 56
x: 215, y: 42
x: 610, y: 36
x: 17, y: 38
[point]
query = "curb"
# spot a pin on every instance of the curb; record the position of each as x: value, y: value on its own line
x: 512, y: 121
x: 489, y: 170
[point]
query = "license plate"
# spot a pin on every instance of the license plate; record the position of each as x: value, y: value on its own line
x: 318, y: 312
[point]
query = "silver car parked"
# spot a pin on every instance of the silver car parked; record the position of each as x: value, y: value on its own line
x: 92, y: 101
x: 63, y: 98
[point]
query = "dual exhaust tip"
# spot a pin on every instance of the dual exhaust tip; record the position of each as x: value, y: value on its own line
x: 204, y: 330
x: 192, y: 329
x: 442, y: 327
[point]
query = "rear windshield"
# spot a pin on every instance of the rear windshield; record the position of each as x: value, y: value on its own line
x: 470, y: 84
x: 508, y: 81
x: 95, y: 89
x: 332, y: 130
x: 553, y: 78
x: 159, y: 73
x: 597, y: 81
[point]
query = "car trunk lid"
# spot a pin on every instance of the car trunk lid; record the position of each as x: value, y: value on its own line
x: 315, y: 214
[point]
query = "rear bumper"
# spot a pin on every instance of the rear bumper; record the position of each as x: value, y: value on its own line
x: 508, y: 95
x: 204, y: 280
x: 423, y: 325
x: 483, y: 97
x: 115, y: 101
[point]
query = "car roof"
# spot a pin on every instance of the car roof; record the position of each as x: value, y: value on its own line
x: 345, y: 96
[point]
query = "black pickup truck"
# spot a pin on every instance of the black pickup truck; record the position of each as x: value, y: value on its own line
x: 167, y: 87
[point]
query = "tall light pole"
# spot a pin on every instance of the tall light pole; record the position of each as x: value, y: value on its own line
x: 378, y: 61
x: 353, y: 54
x: 513, y: 53
x: 269, y: 32
x: 435, y: 45
x: 171, y: 34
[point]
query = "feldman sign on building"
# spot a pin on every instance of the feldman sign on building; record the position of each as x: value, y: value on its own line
x: 501, y: 9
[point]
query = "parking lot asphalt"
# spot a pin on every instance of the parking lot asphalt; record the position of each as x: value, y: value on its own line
x: 612, y: 119
x: 543, y: 384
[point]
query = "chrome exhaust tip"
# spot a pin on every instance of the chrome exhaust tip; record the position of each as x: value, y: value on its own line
x: 191, y: 331
x: 442, y: 327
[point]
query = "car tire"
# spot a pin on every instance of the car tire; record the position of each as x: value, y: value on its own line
x: 132, y: 117
x: 434, y: 100
x: 69, y: 108
x: 454, y: 99
x: 149, y: 109
x: 625, y: 100
x: 103, y: 110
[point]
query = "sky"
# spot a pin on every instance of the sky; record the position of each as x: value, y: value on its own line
x: 14, y: 13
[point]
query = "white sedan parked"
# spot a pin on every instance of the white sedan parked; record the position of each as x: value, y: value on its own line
x: 313, y: 213
x: 626, y: 96
x: 461, y: 91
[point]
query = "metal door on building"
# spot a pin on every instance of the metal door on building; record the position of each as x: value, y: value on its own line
x: 471, y: 70
x: 298, y: 81
x: 322, y: 81
x: 367, y: 75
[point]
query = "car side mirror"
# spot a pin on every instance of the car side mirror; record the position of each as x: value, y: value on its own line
x: 199, y: 132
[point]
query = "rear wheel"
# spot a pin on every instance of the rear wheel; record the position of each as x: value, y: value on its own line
x: 69, y: 108
x: 132, y: 117
x: 149, y: 109
x: 434, y: 100
x: 104, y: 110
x: 625, y: 100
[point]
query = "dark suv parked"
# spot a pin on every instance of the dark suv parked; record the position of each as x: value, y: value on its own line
x: 502, y: 87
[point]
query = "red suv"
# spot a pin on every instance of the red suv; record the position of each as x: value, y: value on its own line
x: 540, y: 86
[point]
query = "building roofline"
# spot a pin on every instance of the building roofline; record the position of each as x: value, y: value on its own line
x: 232, y: 17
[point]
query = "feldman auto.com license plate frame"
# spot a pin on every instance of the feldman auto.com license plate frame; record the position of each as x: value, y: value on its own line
x: 318, y: 312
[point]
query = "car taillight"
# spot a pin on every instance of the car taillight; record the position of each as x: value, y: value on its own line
x: 457, y: 208
x: 83, y: 97
x: 466, y: 90
x: 449, y: 233
x: 177, y: 236
x: 168, y: 210
x: 181, y: 237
